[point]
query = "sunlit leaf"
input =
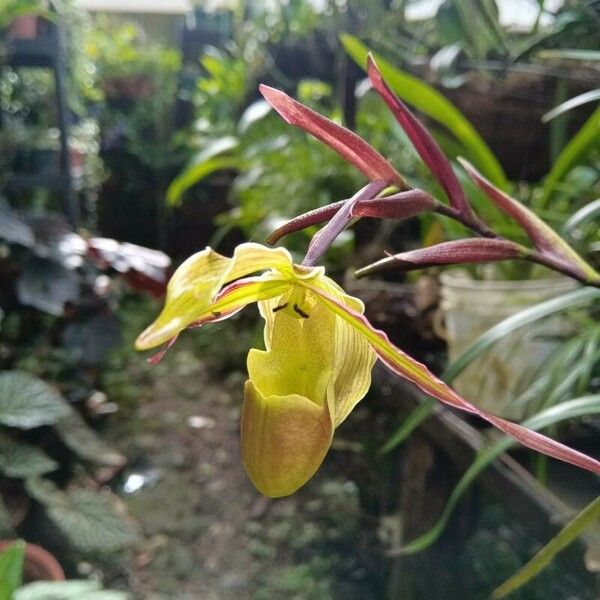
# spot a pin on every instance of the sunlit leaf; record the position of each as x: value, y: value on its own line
x: 11, y: 569
x: 579, y: 145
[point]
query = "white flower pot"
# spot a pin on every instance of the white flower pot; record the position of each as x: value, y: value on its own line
x: 470, y: 307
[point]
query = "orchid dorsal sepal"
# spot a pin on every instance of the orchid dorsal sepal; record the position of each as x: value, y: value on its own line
x: 553, y: 250
x: 428, y: 150
x: 398, y: 205
x: 470, y: 250
x: 346, y: 143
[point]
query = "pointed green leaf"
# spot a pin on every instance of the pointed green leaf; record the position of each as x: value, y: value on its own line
x: 587, y: 517
x: 11, y: 569
x: 20, y: 460
x: 571, y: 409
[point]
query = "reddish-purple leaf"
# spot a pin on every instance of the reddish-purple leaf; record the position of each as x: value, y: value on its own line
x: 545, y: 239
x: 345, y: 142
x: 472, y: 250
x: 407, y: 367
x: 423, y: 142
x: 312, y: 217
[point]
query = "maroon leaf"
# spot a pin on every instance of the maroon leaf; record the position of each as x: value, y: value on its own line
x: 423, y: 142
x: 345, y: 142
x: 472, y: 250
x: 397, y: 206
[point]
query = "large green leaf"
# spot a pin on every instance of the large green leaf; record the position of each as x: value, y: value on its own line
x: 581, y: 143
x: 11, y: 569
x: 579, y: 407
x: 91, y: 520
x: 433, y: 104
x: 22, y: 460
x: 84, y: 441
x: 587, y: 517
x: 27, y: 402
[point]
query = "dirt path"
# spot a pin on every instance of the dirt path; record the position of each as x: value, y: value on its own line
x: 207, y: 533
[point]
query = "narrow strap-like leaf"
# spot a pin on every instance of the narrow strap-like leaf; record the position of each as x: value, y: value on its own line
x: 426, y: 146
x: 346, y: 143
x: 471, y: 250
x: 397, y: 206
x: 587, y: 517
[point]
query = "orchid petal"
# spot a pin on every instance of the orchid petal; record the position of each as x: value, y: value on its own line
x: 284, y: 440
x: 407, y: 367
x: 545, y: 239
x: 472, y: 250
x: 195, y: 284
x: 345, y: 142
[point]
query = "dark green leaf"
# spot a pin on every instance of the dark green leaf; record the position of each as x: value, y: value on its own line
x: 22, y: 460
x: 93, y: 521
x: 27, y: 402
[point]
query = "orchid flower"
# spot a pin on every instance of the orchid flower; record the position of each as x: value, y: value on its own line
x: 316, y: 365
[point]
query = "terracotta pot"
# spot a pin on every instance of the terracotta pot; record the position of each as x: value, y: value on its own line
x: 24, y: 27
x: 39, y: 565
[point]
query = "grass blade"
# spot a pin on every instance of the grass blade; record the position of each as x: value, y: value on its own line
x: 587, y: 517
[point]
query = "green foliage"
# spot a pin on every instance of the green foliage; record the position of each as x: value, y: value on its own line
x: 11, y: 9
x: 11, y: 567
x: 92, y: 521
x: 27, y: 402
x: 20, y: 460
x: 583, y: 520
